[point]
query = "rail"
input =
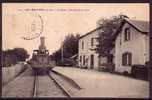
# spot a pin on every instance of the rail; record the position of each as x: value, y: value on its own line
x: 35, y: 84
x: 60, y: 86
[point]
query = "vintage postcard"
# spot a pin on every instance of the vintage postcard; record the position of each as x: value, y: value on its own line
x: 75, y: 50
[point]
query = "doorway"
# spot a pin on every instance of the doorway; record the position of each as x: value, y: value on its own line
x: 92, y: 61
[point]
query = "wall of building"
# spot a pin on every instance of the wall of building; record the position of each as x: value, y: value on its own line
x: 137, y: 45
x: 87, y: 52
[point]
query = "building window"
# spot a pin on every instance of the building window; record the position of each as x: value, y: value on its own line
x: 82, y: 45
x: 92, y: 41
x: 83, y: 59
x: 127, y: 34
x: 127, y: 59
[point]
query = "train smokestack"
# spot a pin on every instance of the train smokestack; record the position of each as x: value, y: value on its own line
x: 42, y: 44
x: 42, y: 41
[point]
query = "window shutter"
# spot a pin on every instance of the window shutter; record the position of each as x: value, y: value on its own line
x: 91, y: 41
x: 123, y: 63
x: 129, y: 59
x: 125, y: 35
x: 128, y: 34
x: 84, y: 60
x: 125, y: 59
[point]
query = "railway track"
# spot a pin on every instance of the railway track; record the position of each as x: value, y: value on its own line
x: 48, y: 86
x: 61, y: 86
x: 35, y: 84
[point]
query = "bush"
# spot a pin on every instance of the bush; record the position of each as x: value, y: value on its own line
x: 13, y: 56
x: 139, y: 71
x: 66, y: 62
x: 108, y: 67
x: 108, y: 64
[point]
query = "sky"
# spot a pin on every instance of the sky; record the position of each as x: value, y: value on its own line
x: 59, y: 20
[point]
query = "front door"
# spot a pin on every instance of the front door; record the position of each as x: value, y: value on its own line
x: 110, y: 58
x: 92, y: 62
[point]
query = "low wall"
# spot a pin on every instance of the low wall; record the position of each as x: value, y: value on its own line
x: 9, y: 73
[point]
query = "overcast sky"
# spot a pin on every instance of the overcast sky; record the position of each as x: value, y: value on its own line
x: 59, y: 20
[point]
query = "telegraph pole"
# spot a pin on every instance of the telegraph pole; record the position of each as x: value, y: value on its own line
x: 62, y: 43
x: 62, y: 52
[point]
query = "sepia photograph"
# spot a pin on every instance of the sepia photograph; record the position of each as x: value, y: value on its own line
x: 75, y: 50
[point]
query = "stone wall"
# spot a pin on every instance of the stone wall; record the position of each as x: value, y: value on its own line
x: 8, y: 73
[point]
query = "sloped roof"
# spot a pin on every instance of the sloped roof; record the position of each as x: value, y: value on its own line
x: 139, y: 25
x: 90, y: 32
x: 143, y: 26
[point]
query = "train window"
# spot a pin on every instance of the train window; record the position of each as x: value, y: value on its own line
x: 34, y: 52
x: 47, y: 52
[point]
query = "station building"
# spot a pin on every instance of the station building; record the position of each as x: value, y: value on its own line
x: 131, y: 47
x: 131, y: 44
x: 88, y: 58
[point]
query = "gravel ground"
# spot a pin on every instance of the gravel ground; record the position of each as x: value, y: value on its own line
x: 22, y: 86
x: 104, y: 84
x: 47, y: 88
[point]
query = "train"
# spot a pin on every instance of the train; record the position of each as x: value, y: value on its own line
x: 40, y: 59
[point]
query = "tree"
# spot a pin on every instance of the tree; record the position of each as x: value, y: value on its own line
x: 108, y: 27
x: 21, y: 54
x: 12, y: 56
x: 7, y: 58
x: 70, y: 47
x: 56, y: 56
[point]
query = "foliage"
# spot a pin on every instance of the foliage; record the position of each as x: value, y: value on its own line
x: 21, y: 54
x: 12, y: 56
x: 56, y: 55
x: 108, y: 27
x: 70, y: 45
x: 107, y: 67
x: 70, y: 48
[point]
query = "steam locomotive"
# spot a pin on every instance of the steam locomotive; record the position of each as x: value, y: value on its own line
x: 40, y: 58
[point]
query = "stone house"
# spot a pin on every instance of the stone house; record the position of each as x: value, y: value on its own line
x: 131, y: 41
x: 131, y: 45
x: 88, y: 58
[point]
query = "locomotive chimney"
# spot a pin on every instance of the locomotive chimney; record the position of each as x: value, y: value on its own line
x: 42, y: 41
x: 42, y: 45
